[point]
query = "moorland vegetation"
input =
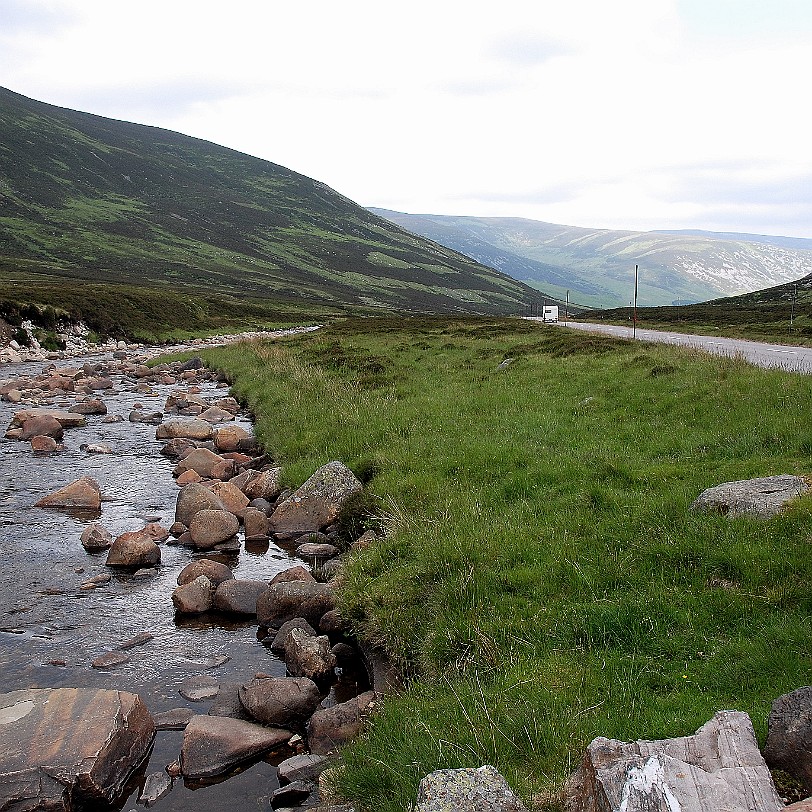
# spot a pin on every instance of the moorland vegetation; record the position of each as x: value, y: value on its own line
x: 541, y: 578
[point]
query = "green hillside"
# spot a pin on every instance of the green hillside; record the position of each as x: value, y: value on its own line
x: 597, y: 265
x: 88, y: 198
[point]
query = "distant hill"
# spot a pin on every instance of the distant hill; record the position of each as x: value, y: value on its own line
x: 597, y: 265
x: 89, y: 198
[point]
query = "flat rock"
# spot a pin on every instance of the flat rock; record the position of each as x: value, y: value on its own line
x: 481, y: 789
x: 69, y: 746
x: 302, y: 768
x: 175, y: 719
x: 789, y: 736
x: 190, y: 429
x: 718, y: 768
x: 213, y: 745
x: 110, y: 660
x: 762, y: 498
x: 199, y: 687
x: 317, y: 502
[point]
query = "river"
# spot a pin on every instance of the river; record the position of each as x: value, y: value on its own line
x: 47, y: 619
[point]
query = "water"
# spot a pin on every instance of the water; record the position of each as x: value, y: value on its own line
x: 51, y: 629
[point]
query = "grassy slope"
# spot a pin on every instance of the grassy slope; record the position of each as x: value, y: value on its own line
x: 90, y: 198
x: 765, y: 315
x: 543, y: 577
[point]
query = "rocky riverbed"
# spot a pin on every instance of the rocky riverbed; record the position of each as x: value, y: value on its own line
x: 69, y: 617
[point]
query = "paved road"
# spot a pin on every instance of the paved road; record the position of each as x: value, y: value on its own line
x: 789, y: 358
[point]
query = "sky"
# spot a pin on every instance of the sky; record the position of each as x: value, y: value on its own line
x: 625, y: 114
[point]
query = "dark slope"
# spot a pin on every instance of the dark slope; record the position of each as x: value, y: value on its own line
x: 91, y: 198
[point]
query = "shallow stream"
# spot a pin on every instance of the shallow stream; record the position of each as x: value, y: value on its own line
x: 46, y: 619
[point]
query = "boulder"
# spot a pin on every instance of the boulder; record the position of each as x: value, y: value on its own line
x: 282, y: 701
x: 213, y: 570
x: 329, y: 728
x: 82, y: 493
x: 175, y: 719
x: 467, y: 790
x: 267, y: 485
x: 719, y: 767
x: 67, y: 420
x: 228, y: 438
x: 213, y: 745
x: 762, y: 498
x: 42, y: 444
x: 309, y: 656
x: 227, y: 703
x: 190, y: 429
x: 789, y: 736
x: 95, y: 537
x: 239, y: 596
x: 333, y: 623
x: 194, y: 597
x: 135, y: 549
x: 316, y: 551
x: 298, y: 573
x: 211, y: 527
x: 42, y: 426
x: 317, y: 502
x: 278, y: 644
x: 89, y: 406
x: 193, y: 498
x: 187, y: 477
x: 255, y: 523
x: 206, y: 463
x: 110, y: 659
x: 178, y: 448
x: 291, y: 599
x: 234, y: 500
x: 67, y: 747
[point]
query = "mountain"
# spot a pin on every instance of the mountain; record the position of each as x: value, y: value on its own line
x: 597, y: 265
x: 94, y: 199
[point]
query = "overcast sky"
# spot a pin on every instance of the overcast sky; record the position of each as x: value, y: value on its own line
x: 635, y: 114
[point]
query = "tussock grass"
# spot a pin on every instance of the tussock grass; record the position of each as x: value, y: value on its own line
x: 542, y: 578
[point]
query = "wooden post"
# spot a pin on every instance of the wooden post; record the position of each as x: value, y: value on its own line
x: 634, y: 317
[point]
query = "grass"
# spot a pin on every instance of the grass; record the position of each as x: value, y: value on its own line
x: 542, y: 578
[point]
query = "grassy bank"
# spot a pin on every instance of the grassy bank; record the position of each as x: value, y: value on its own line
x: 542, y: 576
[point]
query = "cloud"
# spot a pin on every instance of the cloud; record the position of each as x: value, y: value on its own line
x: 525, y: 50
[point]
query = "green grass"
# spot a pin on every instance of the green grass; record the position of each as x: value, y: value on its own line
x: 542, y: 579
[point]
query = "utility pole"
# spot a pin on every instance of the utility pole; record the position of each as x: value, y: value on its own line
x: 792, y: 312
x: 634, y: 317
x: 567, y: 309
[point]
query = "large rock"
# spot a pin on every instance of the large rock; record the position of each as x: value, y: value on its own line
x: 89, y: 406
x: 42, y: 426
x: 213, y: 570
x: 317, y: 502
x: 206, y: 463
x: 83, y: 493
x: 193, y: 498
x: 233, y: 498
x: 211, y: 527
x: 302, y: 768
x: 68, y: 420
x: 469, y: 790
x: 329, y: 728
x: 265, y: 485
x: 228, y: 438
x: 309, y: 656
x: 239, y: 596
x: 789, y: 736
x: 762, y: 498
x: 68, y: 746
x: 255, y: 523
x: 95, y: 537
x: 277, y: 645
x: 282, y: 701
x: 194, y: 597
x: 213, y: 745
x: 190, y: 429
x: 292, y: 599
x: 718, y: 768
x: 135, y: 549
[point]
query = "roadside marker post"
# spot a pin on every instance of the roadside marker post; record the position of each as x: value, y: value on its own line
x: 634, y: 317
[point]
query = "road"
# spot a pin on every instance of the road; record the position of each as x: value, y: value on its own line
x: 781, y: 356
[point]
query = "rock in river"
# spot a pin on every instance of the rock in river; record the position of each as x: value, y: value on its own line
x: 69, y: 746
x: 280, y: 701
x: 212, y: 745
x: 136, y: 549
x: 193, y: 498
x: 210, y: 527
x: 82, y: 493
